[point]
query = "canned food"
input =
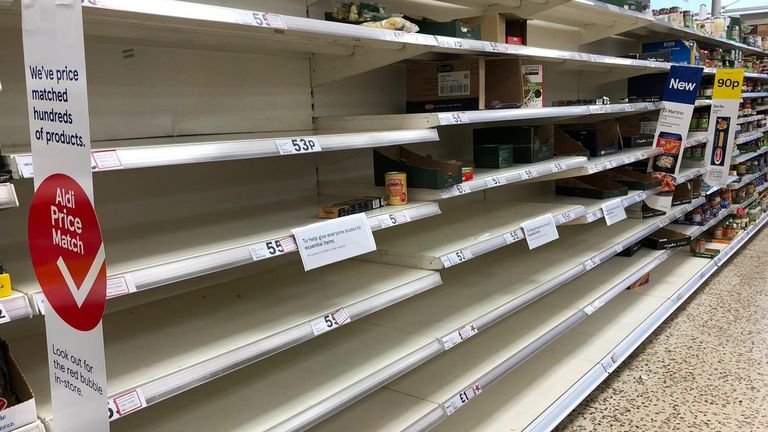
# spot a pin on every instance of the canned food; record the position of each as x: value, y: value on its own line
x: 701, y: 246
x: 397, y: 188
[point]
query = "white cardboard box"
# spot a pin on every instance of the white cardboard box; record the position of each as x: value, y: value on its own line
x: 24, y: 413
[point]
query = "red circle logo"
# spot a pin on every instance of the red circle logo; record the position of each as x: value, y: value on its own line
x: 718, y: 155
x: 67, y: 251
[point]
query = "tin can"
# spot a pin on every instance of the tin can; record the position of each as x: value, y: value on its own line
x: 397, y: 188
x: 701, y: 246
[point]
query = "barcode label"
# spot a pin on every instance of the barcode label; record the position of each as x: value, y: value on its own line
x: 453, y: 83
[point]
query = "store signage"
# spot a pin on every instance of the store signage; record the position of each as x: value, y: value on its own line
x: 540, y: 231
x: 324, y: 243
x: 722, y: 125
x: 65, y: 243
x: 613, y: 211
x: 680, y: 92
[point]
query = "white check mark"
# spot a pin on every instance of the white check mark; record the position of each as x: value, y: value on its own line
x: 81, y: 293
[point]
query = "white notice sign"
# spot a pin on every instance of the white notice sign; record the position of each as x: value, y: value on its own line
x: 324, y: 243
x: 614, y: 211
x: 539, y: 231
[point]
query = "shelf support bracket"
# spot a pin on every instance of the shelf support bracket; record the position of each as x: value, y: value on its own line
x: 329, y: 68
x: 594, y: 32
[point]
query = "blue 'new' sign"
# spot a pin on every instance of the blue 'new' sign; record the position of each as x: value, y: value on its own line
x: 683, y: 84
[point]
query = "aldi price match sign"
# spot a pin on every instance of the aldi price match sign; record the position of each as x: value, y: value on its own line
x: 65, y: 242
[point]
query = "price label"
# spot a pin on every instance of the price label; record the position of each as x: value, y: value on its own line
x: 105, y: 160
x: 557, y: 167
x: 394, y: 35
x: 540, y: 231
x: 594, y: 168
x: 514, y: 236
x: 449, y: 42
x: 272, y: 248
x: 639, y: 197
x: 593, y: 216
x: 592, y: 308
x: 618, y: 248
x: 592, y: 263
x: 459, y: 336
x: 40, y: 302
x: 461, y: 398
x: 120, y: 285
x: 126, y: 403
x: 457, y: 257
x: 565, y: 217
x: 663, y: 222
x: 611, y: 164
x: 528, y: 174
x: 607, y: 363
x: 614, y: 211
x: 628, y: 108
x: 596, y: 109
x: 494, y: 47
x: 261, y: 19
x: 4, y: 317
x: 495, y: 181
x: 330, y: 321
x: 298, y: 145
x: 452, y: 118
x: 720, y: 258
x: 24, y: 163
x: 643, y: 155
x: 392, y: 219
x: 627, y: 160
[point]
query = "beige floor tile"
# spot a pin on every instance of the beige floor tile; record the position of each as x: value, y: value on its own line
x: 704, y: 369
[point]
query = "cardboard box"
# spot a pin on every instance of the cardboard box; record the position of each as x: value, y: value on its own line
x: 642, y: 210
x: 503, y: 28
x: 687, y: 192
x: 644, y: 280
x: 464, y: 85
x: 567, y: 146
x: 350, y: 207
x: 630, y: 251
x: 529, y: 144
x: 600, y: 139
x: 461, y: 28
x: 493, y: 155
x: 422, y: 171
x: 25, y: 411
x: 663, y: 239
x: 637, y: 130
x: 533, y: 86
x: 631, y: 178
x: 591, y: 186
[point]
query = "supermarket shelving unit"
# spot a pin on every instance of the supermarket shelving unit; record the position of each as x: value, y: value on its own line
x: 454, y: 322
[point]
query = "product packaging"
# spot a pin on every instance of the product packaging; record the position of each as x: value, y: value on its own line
x: 533, y: 86
x: 600, y: 139
x: 464, y: 84
x: 631, y: 178
x: 631, y: 250
x: 350, y: 207
x: 591, y: 186
x: 15, y: 394
x: 643, y: 280
x: 663, y: 239
x: 527, y: 144
x: 502, y: 28
x: 461, y: 28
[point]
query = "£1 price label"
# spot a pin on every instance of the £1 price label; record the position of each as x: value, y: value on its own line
x: 298, y: 145
x: 330, y: 321
x: 272, y: 248
x: 461, y: 398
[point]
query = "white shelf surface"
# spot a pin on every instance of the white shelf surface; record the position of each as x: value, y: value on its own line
x: 182, y: 249
x: 746, y: 156
x: 754, y: 95
x: 594, y: 207
x: 743, y: 181
x: 492, y: 353
x: 155, y: 152
x: 532, y: 398
x: 240, y: 322
x: 464, y: 233
x: 428, y: 120
x: 485, y: 178
x: 750, y: 119
x: 319, y: 377
x: 623, y: 157
x: 8, y: 197
x: 747, y: 137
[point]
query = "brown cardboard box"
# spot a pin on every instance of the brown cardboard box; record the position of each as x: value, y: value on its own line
x: 498, y: 27
x: 464, y: 84
x: 25, y: 411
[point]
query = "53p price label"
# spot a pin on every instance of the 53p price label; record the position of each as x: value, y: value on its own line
x: 298, y: 145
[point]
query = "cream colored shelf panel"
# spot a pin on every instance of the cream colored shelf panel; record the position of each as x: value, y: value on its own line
x: 8, y: 197
x: 157, y: 152
x: 464, y: 233
x: 182, y: 249
x: 241, y: 322
x: 623, y: 157
x: 521, y: 115
x: 485, y: 178
x: 593, y: 207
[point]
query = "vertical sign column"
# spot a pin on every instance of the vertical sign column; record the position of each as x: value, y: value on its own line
x: 65, y: 241
x: 672, y: 130
x: 722, y: 125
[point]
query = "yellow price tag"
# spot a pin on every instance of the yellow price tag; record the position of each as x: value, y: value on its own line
x: 728, y: 83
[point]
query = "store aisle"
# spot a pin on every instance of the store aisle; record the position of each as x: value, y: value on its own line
x: 704, y: 369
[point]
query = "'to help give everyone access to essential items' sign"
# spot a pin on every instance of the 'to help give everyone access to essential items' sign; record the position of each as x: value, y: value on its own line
x: 65, y: 242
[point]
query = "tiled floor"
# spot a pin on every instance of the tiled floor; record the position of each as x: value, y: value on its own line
x: 704, y: 369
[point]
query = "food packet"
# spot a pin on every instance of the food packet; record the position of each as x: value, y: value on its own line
x: 394, y: 23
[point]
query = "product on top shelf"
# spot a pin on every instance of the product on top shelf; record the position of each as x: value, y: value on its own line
x: 422, y: 171
x: 369, y: 14
x: 637, y: 130
x: 680, y: 52
x: 591, y: 186
x: 533, y: 86
x: 464, y: 84
x: 582, y: 102
x: 460, y: 28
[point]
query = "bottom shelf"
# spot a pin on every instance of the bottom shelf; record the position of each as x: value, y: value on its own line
x: 492, y: 383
